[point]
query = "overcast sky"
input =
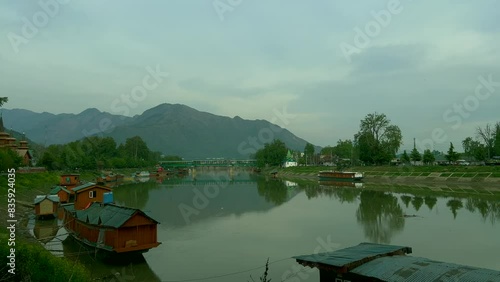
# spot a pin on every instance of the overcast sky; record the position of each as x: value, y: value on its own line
x: 328, y: 63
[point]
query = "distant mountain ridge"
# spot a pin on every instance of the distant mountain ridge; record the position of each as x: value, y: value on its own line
x: 172, y: 129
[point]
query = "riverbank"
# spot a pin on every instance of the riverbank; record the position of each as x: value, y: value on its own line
x: 409, y: 174
x: 32, y: 261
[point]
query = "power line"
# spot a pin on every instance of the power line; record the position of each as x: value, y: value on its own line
x: 224, y: 275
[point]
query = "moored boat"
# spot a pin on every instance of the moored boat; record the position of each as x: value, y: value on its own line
x: 112, y: 228
x: 96, y: 221
x: 142, y: 174
x: 340, y: 175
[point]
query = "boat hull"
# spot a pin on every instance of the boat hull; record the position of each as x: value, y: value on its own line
x: 104, y: 254
x: 107, y: 252
x: 341, y: 184
x: 340, y: 176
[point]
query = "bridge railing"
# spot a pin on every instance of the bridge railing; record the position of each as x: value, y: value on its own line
x: 197, y: 163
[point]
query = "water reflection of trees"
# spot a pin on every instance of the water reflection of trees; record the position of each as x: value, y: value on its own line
x: 348, y: 194
x: 430, y: 202
x: 380, y: 214
x: 489, y: 209
x: 134, y: 195
x: 454, y: 205
x: 273, y: 190
x: 406, y: 200
x: 472, y: 198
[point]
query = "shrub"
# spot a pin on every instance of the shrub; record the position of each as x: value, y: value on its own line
x: 34, y: 263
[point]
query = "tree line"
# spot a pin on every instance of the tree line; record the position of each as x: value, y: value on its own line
x: 99, y: 153
x: 378, y: 141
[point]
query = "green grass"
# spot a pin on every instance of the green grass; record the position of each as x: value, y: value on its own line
x: 35, y: 263
x: 453, y: 173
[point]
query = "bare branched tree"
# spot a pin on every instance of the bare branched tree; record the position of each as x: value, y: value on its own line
x: 487, y: 135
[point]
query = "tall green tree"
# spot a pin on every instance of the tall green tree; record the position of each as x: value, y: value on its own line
x: 405, y: 158
x: 273, y: 154
x: 378, y: 140
x: 309, y: 152
x: 467, y: 144
x: 9, y: 159
x: 344, y: 149
x: 496, y: 142
x: 474, y: 149
x: 415, y: 155
x: 428, y: 157
x: 452, y: 155
x: 136, y: 149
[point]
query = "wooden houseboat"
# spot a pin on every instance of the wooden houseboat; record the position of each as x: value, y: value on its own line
x: 377, y: 262
x: 88, y: 193
x: 64, y: 194
x: 46, y: 205
x: 94, y: 220
x: 65, y: 188
x: 340, y: 175
x: 111, y: 179
x: 69, y: 181
x: 112, y: 228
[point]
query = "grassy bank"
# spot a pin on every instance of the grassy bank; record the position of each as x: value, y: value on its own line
x: 409, y: 173
x: 405, y: 170
x: 32, y: 262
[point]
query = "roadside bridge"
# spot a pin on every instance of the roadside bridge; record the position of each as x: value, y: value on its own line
x: 208, y: 163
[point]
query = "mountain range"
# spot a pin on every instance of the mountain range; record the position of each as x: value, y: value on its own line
x: 172, y: 129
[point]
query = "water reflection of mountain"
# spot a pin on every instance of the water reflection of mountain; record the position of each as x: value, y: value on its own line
x: 181, y: 202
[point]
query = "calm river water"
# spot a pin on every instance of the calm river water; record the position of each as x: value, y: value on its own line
x: 226, y: 227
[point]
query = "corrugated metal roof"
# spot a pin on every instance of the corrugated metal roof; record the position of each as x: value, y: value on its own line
x: 56, y: 189
x: 107, y: 215
x: 346, y: 259
x: 39, y: 198
x: 407, y: 268
x: 69, y: 207
x: 87, y: 185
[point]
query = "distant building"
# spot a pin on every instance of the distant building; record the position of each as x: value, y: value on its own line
x: 22, y: 149
x: 290, y: 160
